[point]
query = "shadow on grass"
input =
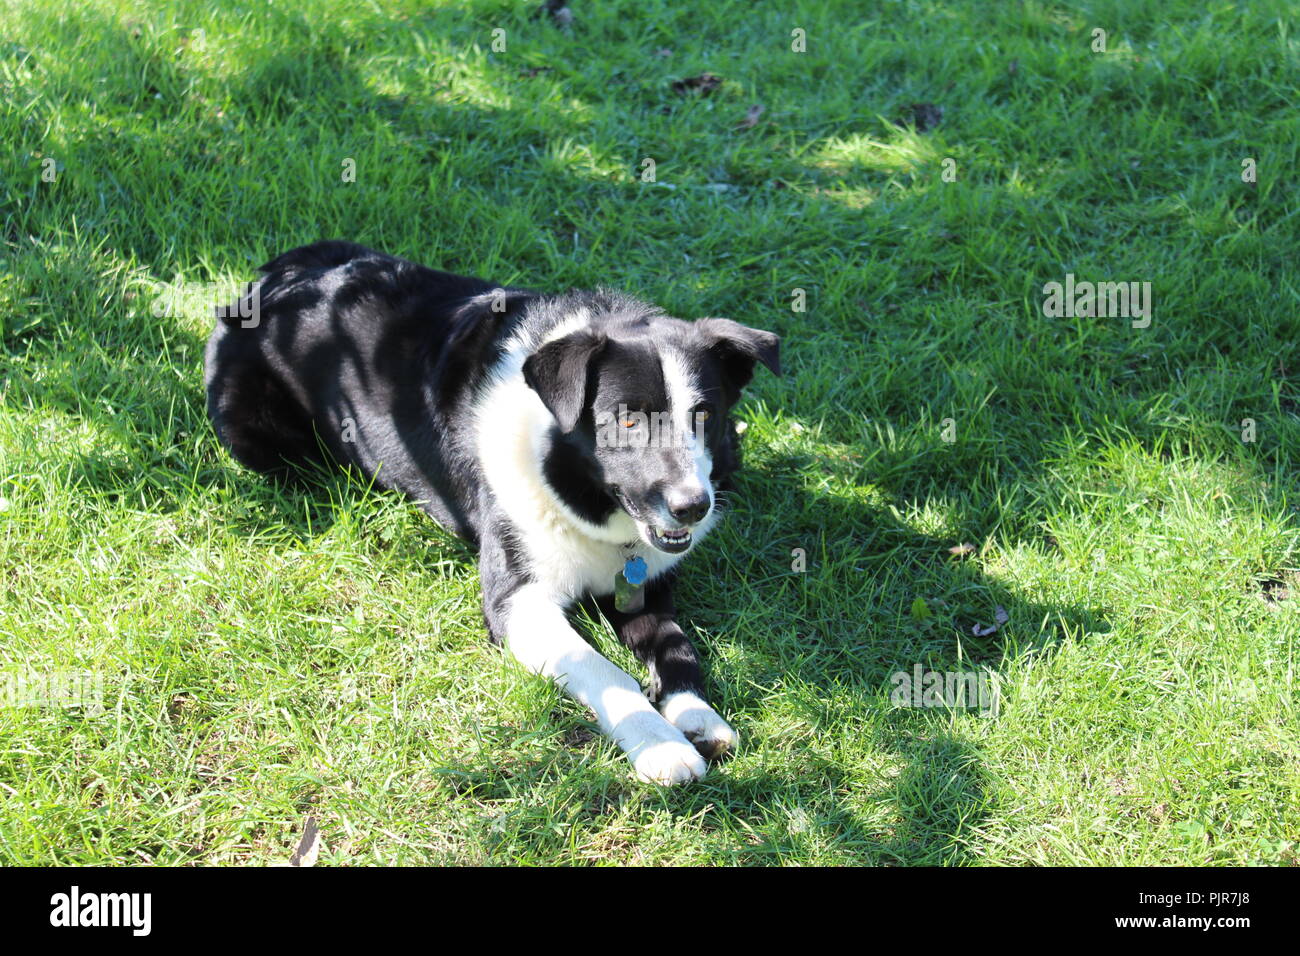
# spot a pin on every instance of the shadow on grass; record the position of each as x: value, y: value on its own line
x: 822, y: 674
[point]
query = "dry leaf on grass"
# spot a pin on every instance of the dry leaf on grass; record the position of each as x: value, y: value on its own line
x: 923, y: 116
x: 751, y: 117
x: 704, y: 84
x: 1000, y: 617
x: 308, y: 847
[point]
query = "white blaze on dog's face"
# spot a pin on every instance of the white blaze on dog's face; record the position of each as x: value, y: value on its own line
x: 640, y: 409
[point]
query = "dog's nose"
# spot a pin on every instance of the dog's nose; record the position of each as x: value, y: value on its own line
x: 688, y: 506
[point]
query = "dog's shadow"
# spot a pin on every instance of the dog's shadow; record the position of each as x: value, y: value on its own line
x: 846, y: 767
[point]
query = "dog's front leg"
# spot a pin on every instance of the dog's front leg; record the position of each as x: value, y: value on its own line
x: 676, y: 683
x: 528, y: 621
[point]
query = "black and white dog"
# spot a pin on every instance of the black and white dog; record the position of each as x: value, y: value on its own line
x: 578, y: 440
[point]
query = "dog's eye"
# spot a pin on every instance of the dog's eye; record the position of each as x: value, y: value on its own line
x: 703, y: 413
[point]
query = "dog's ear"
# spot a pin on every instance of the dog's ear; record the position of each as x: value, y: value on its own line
x: 559, y: 372
x: 473, y: 325
x: 738, y: 347
x: 468, y: 319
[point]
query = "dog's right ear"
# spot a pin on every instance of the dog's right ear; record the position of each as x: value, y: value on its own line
x: 469, y: 318
x: 559, y: 372
x: 473, y: 325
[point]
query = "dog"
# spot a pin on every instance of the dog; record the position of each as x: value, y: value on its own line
x: 578, y: 440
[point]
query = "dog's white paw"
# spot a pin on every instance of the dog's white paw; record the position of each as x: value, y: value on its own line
x: 669, y: 762
x: 658, y: 751
x: 700, y: 723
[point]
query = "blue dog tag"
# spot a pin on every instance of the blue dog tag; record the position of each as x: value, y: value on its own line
x: 629, y: 585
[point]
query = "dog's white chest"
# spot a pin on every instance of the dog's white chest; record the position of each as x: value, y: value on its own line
x: 570, y: 562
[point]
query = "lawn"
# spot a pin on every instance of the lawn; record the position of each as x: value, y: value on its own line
x: 1099, y: 511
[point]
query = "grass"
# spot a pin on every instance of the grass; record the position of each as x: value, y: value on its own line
x: 269, y: 655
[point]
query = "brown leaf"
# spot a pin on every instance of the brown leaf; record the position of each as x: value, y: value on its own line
x: 308, y: 847
x: 1000, y: 617
x: 923, y: 116
x: 961, y: 550
x: 751, y: 117
x: 1273, y: 592
x: 705, y: 83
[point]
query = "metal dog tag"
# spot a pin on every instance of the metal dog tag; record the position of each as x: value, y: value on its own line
x: 629, y: 586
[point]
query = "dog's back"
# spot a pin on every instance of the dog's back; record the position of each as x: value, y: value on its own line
x: 332, y: 335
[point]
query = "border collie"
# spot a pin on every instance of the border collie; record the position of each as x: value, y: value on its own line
x: 578, y: 440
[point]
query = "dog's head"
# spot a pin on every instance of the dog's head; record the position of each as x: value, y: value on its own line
x: 641, y: 406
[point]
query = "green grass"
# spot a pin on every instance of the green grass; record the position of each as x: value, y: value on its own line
x: 268, y: 655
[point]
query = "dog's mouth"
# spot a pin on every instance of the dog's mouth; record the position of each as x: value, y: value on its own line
x: 674, y: 542
x: 668, y: 540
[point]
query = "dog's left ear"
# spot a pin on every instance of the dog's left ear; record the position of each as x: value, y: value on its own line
x: 559, y: 372
x: 738, y: 347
